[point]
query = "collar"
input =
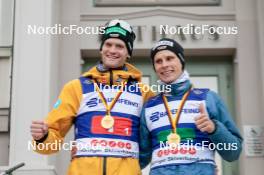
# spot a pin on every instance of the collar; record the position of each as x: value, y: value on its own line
x: 115, y: 76
x: 100, y: 67
x: 180, y: 86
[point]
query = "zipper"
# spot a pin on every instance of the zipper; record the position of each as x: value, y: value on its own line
x: 111, y: 77
x: 104, y: 165
x: 105, y: 158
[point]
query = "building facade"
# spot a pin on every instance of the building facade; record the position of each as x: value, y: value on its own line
x: 35, y: 66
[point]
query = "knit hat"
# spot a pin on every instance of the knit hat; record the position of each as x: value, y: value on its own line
x: 168, y: 44
x: 119, y: 29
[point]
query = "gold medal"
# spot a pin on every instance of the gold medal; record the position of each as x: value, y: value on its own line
x: 174, y: 138
x: 107, y: 122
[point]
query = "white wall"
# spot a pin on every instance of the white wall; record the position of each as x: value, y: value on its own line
x: 248, y: 73
x: 260, y: 24
x: 34, y: 82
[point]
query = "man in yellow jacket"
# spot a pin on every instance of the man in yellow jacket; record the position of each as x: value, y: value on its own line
x: 104, y: 105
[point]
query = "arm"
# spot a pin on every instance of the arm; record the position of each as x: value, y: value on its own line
x: 225, y: 131
x: 145, y: 150
x: 61, y: 117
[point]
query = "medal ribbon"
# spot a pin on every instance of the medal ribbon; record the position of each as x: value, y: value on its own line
x: 175, y: 121
x: 102, y: 97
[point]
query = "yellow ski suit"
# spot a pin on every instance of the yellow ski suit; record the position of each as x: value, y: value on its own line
x: 62, y: 116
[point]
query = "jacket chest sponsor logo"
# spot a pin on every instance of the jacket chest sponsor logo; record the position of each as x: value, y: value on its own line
x: 155, y: 116
x: 95, y: 101
x: 92, y: 102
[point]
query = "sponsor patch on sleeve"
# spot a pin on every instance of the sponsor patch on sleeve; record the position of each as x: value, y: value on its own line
x: 57, y: 104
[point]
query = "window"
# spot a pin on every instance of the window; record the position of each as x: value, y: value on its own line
x: 5, y: 68
x: 6, y: 22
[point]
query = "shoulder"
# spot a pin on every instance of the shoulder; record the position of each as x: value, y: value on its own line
x: 153, y: 101
x: 72, y: 83
x: 199, y: 93
x: 73, y: 86
x: 212, y: 96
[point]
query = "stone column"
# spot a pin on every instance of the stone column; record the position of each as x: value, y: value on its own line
x: 34, y: 73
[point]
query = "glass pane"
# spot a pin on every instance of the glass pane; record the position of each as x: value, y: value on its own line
x: 5, y: 64
x: 210, y: 82
x: 6, y: 22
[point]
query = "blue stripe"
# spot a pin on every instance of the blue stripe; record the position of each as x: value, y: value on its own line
x: 87, y: 85
x: 180, y: 125
x: 166, y: 166
x: 157, y: 100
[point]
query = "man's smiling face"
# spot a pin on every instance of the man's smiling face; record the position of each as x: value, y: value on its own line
x: 167, y: 66
x: 114, y: 53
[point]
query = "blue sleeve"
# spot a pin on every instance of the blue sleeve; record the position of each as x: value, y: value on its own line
x: 145, y: 150
x: 226, y: 131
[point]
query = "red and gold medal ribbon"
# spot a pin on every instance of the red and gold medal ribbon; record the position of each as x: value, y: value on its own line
x: 102, y: 97
x: 175, y: 121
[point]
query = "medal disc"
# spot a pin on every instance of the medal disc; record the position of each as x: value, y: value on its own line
x: 107, y: 122
x: 174, y: 138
